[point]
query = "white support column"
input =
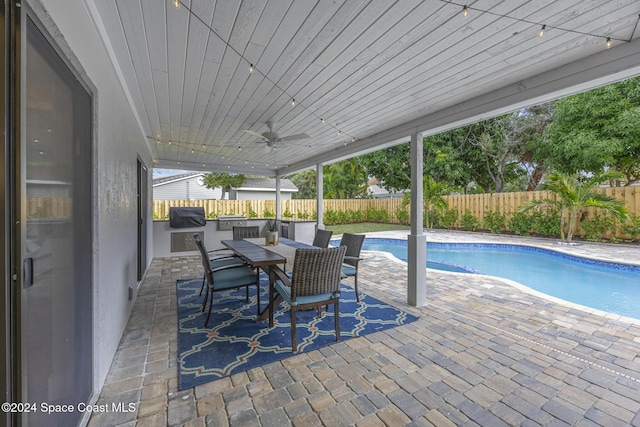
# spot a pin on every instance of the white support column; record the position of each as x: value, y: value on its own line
x: 278, y: 198
x: 417, y: 241
x: 319, y: 196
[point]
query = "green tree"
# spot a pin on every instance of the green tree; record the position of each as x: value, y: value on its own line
x: 306, y: 183
x: 390, y: 166
x: 224, y: 180
x: 501, y: 148
x: 597, y: 130
x: 448, y: 158
x: 531, y: 124
x: 345, y: 179
x: 574, y: 194
x: 432, y: 197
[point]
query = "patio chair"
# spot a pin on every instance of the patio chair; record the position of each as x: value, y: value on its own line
x: 225, y: 277
x: 226, y: 257
x: 315, y: 281
x: 322, y: 238
x: 353, y: 242
x: 247, y: 232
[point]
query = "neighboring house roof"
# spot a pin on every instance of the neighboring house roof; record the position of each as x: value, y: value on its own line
x: 173, y: 178
x: 375, y: 190
x: 266, y: 184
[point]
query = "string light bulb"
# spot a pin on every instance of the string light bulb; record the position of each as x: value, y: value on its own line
x: 544, y: 27
x: 176, y: 3
x: 293, y: 102
x: 608, y: 42
x: 250, y: 68
x: 322, y: 120
x: 465, y: 11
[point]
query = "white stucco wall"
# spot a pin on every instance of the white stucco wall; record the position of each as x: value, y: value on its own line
x: 260, y: 195
x: 118, y: 143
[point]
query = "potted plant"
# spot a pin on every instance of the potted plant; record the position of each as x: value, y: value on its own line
x: 271, y: 238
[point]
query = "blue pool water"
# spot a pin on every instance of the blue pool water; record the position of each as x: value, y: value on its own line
x: 605, y: 286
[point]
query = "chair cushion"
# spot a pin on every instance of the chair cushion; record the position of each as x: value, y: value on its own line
x: 233, y: 278
x: 216, y: 263
x: 349, y: 270
x: 285, y: 291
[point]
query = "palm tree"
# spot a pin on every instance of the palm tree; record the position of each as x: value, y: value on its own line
x: 574, y: 195
x: 432, y: 198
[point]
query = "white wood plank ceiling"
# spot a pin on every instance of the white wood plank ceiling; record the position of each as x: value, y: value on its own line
x: 364, y: 74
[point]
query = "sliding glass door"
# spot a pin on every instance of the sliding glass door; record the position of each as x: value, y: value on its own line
x: 56, y: 298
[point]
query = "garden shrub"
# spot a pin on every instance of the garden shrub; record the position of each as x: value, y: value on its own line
x: 403, y: 215
x: 468, y: 221
x: 287, y: 213
x: 632, y: 226
x: 546, y: 222
x: 596, y: 228
x: 493, y: 221
x: 446, y: 219
x: 376, y: 215
x: 521, y: 223
x: 252, y: 213
x: 303, y: 215
x: 330, y: 217
x: 268, y: 214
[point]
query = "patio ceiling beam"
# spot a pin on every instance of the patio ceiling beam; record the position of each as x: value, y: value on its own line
x: 605, y: 67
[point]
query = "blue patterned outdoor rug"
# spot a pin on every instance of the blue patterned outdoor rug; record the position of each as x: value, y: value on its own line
x: 235, y: 342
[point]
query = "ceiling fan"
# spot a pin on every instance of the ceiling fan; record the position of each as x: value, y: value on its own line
x: 272, y: 139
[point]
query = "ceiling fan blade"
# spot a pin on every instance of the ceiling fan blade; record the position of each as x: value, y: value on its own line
x: 295, y: 137
x: 250, y: 132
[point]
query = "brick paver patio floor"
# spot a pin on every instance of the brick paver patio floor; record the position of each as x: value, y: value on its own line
x: 483, y: 353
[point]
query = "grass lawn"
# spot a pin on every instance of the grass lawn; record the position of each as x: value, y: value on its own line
x: 365, y: 227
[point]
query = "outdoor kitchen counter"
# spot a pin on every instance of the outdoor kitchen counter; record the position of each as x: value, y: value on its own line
x: 300, y: 230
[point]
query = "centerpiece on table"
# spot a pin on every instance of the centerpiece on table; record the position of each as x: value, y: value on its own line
x: 271, y: 238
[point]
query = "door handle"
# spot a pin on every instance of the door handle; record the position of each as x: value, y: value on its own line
x: 27, y: 273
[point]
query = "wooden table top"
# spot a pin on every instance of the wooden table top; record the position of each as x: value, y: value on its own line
x: 254, y: 255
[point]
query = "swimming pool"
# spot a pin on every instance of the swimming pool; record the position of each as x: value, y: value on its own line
x: 614, y: 288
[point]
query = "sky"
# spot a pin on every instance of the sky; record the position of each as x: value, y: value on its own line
x: 161, y: 173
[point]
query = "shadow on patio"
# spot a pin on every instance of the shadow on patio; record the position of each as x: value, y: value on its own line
x: 482, y: 353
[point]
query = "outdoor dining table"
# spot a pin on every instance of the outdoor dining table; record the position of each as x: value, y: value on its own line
x: 256, y: 253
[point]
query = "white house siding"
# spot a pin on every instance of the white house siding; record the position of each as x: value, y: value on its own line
x: 260, y: 195
x: 185, y: 189
x: 118, y: 143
